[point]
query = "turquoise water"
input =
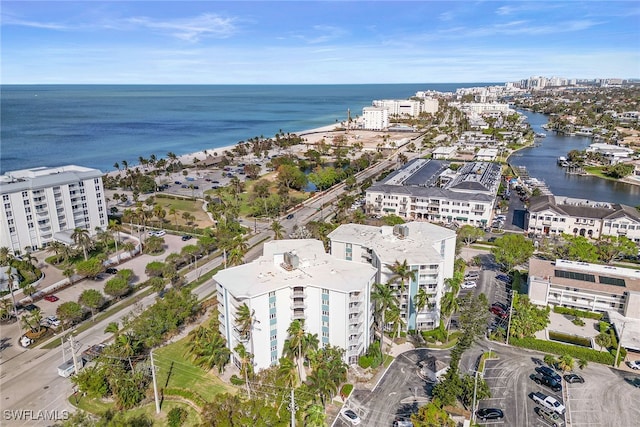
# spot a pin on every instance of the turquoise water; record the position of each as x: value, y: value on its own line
x: 98, y: 125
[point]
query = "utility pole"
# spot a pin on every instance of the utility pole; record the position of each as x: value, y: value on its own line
x: 509, y: 324
x: 155, y: 384
x: 64, y: 359
x: 473, y: 407
x: 615, y: 363
x: 293, y: 409
x: 73, y: 354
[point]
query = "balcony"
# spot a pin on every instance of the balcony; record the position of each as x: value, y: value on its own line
x: 298, y: 304
x: 240, y: 336
x: 298, y: 314
x: 355, y: 297
x: 298, y: 294
x: 355, y: 308
x: 354, y: 338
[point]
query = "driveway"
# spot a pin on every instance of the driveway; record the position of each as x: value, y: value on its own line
x: 399, y: 393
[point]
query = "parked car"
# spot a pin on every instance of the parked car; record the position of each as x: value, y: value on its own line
x: 93, y: 352
x: 177, y: 182
x: 290, y: 216
x: 573, y: 378
x: 472, y: 275
x: 158, y: 233
x: 25, y: 341
x: 111, y: 270
x: 51, y: 298
x: 351, y: 417
x: 545, y: 370
x: 549, y: 416
x: 546, y: 381
x: 31, y: 307
x: 468, y: 284
x: 633, y: 381
x: 490, y: 414
x: 186, y: 237
x: 501, y: 305
x: 503, y: 277
x: 52, y: 321
x: 634, y: 364
x: 498, y: 311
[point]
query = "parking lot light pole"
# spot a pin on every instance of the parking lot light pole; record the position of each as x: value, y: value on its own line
x: 509, y: 324
x: 473, y: 406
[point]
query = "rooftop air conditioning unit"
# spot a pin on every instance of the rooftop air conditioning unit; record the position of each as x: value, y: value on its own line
x: 291, y: 260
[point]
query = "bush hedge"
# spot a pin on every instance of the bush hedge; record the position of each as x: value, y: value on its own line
x: 561, y: 349
x: 186, y: 394
x: 570, y: 339
x: 577, y: 313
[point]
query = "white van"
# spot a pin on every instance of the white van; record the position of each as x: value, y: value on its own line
x: 67, y: 368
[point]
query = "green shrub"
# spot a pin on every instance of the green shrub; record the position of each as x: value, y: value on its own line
x: 576, y: 352
x: 235, y: 380
x: 577, y: 313
x: 603, y: 326
x: 176, y: 417
x: 365, y: 361
x: 346, y: 390
x: 438, y: 334
x: 578, y: 321
x: 570, y: 339
x: 186, y: 394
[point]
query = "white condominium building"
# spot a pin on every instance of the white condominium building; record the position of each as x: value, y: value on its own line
x: 375, y: 118
x: 400, y: 107
x: 297, y: 279
x: 554, y: 215
x: 39, y: 202
x: 429, y: 190
x: 428, y: 249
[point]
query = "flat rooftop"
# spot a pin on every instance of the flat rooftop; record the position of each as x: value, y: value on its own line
x: 44, y: 177
x: 316, y: 268
x: 587, y: 276
x: 416, y: 248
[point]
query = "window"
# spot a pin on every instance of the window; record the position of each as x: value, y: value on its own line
x: 325, y: 291
x: 272, y: 294
x: 5, y: 197
x: 325, y: 313
x: 272, y: 315
x: 325, y: 334
x: 273, y: 337
x: 274, y: 348
x: 272, y: 304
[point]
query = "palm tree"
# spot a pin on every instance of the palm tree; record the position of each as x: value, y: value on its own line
x: 277, y: 229
x: 401, y: 272
x: 395, y: 318
x: 314, y: 415
x: 448, y: 305
x: 383, y: 297
x: 421, y: 300
x: 68, y: 273
x: 129, y: 247
x: 565, y: 363
x: 246, y: 364
x: 82, y: 238
x: 293, y: 345
x: 245, y: 319
x: 287, y: 372
x: 115, y: 227
x: 321, y: 382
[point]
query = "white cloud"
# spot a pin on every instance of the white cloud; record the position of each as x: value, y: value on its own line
x: 190, y: 29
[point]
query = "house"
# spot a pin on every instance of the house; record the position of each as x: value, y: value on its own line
x: 444, y: 153
x: 486, y: 155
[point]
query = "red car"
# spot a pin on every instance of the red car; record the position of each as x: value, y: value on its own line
x: 51, y: 298
x: 499, y: 311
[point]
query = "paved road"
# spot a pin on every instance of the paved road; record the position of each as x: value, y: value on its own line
x: 29, y: 379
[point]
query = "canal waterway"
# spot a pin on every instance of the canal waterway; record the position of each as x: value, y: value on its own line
x: 541, y: 163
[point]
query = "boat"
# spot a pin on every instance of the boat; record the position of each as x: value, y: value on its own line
x: 540, y: 135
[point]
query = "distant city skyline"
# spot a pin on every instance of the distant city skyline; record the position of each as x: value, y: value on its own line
x: 316, y: 42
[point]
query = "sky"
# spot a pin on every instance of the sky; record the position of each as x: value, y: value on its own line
x: 315, y: 42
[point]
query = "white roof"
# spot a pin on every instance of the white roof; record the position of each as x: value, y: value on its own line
x: 316, y: 268
x: 44, y: 177
x: 419, y: 247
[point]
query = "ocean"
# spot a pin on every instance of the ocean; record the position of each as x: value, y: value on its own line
x: 99, y: 125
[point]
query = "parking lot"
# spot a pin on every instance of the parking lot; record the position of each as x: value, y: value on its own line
x: 605, y: 399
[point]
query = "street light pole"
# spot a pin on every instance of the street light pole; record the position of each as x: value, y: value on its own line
x: 509, y: 324
x: 619, y: 343
x: 473, y: 407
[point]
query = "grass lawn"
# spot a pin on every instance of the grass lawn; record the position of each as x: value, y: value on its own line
x: 598, y: 171
x: 177, y: 371
x: 97, y: 407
